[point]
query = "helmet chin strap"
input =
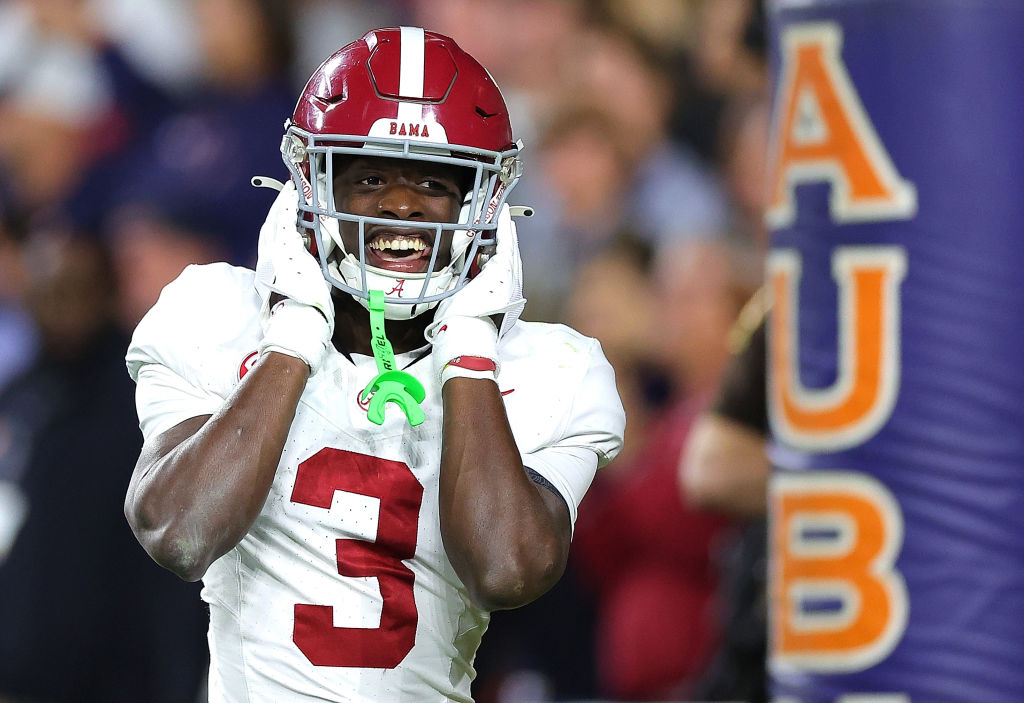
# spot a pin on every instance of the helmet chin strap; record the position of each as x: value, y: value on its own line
x: 347, y: 270
x: 390, y: 384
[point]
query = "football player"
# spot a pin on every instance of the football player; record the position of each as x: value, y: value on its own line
x: 359, y: 447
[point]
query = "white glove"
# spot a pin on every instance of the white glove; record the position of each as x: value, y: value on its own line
x: 301, y: 324
x: 464, y: 337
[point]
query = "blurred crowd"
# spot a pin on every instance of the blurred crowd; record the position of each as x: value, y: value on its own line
x: 129, y: 130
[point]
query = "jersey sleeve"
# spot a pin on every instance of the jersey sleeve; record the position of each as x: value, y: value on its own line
x: 177, y: 351
x: 590, y: 434
x: 163, y: 399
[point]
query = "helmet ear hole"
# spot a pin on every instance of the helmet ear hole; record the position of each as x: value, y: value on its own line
x: 466, y: 177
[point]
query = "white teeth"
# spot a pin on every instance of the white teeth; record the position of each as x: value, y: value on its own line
x: 398, y: 244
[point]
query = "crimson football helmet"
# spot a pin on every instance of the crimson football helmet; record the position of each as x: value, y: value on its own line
x: 401, y: 93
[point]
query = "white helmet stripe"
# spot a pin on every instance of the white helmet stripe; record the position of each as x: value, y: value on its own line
x: 410, y: 78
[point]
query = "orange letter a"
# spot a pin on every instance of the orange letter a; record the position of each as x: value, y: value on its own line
x: 820, y: 132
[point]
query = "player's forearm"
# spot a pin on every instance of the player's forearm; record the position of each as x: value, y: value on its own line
x: 725, y: 467
x: 197, y: 491
x: 502, y: 533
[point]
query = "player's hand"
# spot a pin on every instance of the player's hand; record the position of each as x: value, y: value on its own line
x: 298, y: 313
x: 468, y: 325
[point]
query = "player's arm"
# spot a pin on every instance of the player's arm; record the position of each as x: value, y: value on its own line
x: 198, y: 487
x: 725, y: 467
x: 507, y: 537
x: 725, y: 464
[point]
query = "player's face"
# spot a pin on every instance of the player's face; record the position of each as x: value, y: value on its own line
x: 402, y: 190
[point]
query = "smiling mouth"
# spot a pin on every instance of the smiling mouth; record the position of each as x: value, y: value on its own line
x: 399, y: 252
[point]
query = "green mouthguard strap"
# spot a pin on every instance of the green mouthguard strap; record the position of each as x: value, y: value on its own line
x: 390, y: 385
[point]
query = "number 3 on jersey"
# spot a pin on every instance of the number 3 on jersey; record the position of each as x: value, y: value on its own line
x: 400, y: 495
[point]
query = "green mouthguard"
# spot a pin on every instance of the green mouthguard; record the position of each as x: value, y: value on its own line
x: 390, y: 385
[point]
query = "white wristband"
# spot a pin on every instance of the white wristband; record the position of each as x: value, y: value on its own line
x: 296, y: 330
x: 464, y: 337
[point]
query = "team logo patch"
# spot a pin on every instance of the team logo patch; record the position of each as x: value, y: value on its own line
x: 364, y: 404
x: 247, y: 363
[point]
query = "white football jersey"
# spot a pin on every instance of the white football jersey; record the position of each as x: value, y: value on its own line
x: 341, y: 590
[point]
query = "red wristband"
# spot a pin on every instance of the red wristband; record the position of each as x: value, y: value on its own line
x: 478, y: 367
x: 473, y: 363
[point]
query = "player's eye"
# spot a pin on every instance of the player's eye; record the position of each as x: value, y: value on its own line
x: 438, y: 184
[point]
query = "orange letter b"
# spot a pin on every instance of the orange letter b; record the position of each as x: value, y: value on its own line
x: 837, y: 603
